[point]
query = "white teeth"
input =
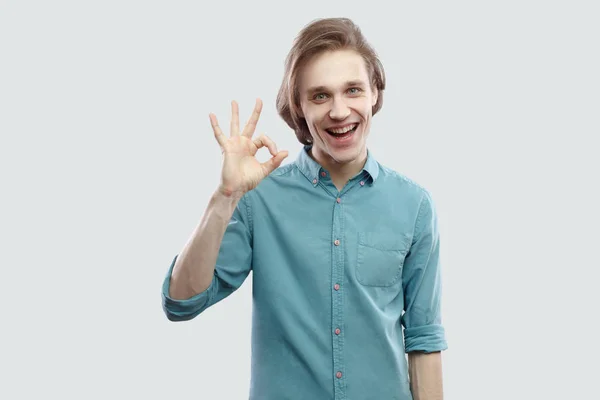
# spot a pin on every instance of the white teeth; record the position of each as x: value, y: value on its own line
x: 343, y: 130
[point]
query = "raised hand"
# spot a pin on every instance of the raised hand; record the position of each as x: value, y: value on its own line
x: 241, y: 171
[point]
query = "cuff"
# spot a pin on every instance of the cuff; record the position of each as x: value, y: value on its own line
x: 186, y: 309
x: 426, y: 338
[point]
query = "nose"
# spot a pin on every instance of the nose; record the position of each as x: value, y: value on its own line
x: 339, y: 109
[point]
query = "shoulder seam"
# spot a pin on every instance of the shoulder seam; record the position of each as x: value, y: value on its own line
x: 403, y: 178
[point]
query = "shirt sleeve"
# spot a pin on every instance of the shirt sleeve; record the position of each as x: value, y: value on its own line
x: 234, y: 263
x: 422, y: 285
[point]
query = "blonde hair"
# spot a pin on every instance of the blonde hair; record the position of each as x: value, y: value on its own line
x: 321, y: 35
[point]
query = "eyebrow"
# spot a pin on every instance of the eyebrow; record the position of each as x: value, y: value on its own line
x: 314, y: 89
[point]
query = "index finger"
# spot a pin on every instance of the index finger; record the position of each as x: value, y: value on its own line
x: 253, y: 120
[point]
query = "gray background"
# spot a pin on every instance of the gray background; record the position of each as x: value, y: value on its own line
x: 107, y: 162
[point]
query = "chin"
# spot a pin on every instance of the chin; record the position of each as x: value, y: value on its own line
x: 347, y: 155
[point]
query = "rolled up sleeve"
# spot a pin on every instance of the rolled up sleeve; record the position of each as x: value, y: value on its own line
x: 234, y: 263
x: 422, y: 285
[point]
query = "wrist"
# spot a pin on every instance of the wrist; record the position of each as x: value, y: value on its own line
x: 226, y: 193
x: 224, y: 199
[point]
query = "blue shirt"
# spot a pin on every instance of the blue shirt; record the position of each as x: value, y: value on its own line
x: 344, y: 282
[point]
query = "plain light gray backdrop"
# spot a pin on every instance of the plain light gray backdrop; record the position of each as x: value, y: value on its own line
x: 108, y: 159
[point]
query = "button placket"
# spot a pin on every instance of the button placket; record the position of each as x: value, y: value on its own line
x: 337, y: 298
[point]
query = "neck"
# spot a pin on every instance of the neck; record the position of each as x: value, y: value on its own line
x: 340, y: 172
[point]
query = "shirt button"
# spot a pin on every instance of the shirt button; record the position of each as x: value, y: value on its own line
x: 314, y: 181
x: 337, y: 331
x: 338, y: 375
x: 336, y: 286
x: 362, y: 183
x: 337, y: 242
x: 323, y: 173
x: 339, y: 200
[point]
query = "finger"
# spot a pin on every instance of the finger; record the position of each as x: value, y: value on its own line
x: 235, y: 119
x: 264, y: 140
x: 253, y: 120
x: 216, y: 129
x: 274, y: 162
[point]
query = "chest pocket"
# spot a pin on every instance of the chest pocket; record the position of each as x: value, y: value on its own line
x: 380, y: 258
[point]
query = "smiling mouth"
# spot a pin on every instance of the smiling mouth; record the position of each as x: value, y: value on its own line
x: 343, y: 132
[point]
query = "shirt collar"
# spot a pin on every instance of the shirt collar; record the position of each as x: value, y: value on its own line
x: 311, y: 169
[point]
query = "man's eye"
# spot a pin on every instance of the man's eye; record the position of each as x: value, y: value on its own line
x: 320, y: 96
x: 354, y: 90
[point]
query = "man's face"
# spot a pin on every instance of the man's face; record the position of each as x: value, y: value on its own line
x: 336, y: 95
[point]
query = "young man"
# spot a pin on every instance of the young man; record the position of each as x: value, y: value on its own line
x: 344, y: 251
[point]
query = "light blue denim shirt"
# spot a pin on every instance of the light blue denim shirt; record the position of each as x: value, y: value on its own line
x: 336, y: 277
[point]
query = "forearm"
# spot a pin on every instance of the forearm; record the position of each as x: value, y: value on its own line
x: 425, y: 373
x: 194, y: 268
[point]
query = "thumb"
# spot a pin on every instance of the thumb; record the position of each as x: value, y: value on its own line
x: 274, y: 162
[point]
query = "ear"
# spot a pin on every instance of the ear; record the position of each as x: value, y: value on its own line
x: 375, y: 96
